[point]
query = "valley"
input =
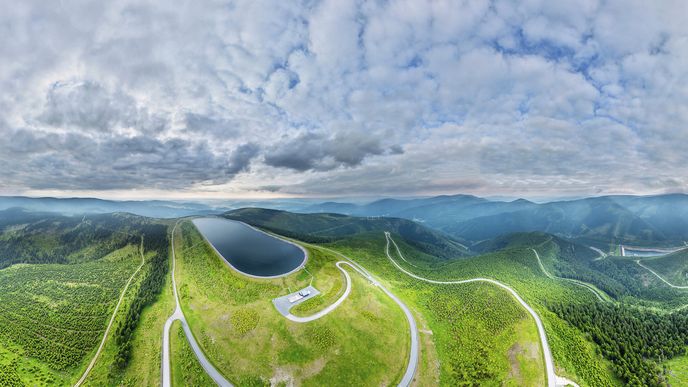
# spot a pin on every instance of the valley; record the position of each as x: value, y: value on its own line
x: 333, y: 193
x: 507, y: 310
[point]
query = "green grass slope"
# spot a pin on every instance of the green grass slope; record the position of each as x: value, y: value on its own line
x: 618, y: 277
x: 186, y: 370
x: 62, y: 277
x: 363, y: 342
x: 484, y: 353
x: 52, y: 317
x: 478, y: 329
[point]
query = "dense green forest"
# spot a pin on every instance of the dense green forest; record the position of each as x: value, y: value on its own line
x: 156, y: 241
x: 28, y: 237
x: 635, y: 340
x: 56, y: 314
x: 62, y: 277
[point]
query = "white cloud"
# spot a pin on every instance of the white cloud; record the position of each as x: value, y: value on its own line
x: 481, y: 96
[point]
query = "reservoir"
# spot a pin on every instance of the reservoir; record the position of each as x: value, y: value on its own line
x: 250, y: 251
x: 629, y: 251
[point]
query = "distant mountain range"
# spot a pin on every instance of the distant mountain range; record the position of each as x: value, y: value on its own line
x: 150, y: 208
x: 599, y: 221
x: 661, y: 219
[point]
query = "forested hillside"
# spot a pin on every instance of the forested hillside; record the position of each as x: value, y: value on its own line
x: 29, y: 237
x: 637, y: 341
x: 329, y: 227
x: 60, y: 278
x: 672, y: 267
x: 639, y: 220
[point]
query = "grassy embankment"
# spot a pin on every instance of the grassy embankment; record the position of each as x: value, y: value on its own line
x: 186, y: 370
x: 677, y: 373
x: 363, y: 342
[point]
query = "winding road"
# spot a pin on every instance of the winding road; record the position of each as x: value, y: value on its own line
x: 413, y: 327
x: 330, y: 307
x: 553, y: 380
x: 112, y: 320
x: 660, y: 277
x: 571, y: 280
x: 602, y: 254
x: 179, y: 315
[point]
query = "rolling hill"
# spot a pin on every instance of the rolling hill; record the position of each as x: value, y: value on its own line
x: 641, y: 220
x: 64, y: 274
x: 328, y: 227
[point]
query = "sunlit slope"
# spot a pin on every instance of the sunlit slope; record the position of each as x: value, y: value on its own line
x: 53, y: 316
x: 481, y: 334
x: 362, y: 342
x: 63, y: 277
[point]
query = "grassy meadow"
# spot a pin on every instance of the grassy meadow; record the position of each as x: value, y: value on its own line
x: 363, y: 342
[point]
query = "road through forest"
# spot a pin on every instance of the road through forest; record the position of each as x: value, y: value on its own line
x: 553, y: 379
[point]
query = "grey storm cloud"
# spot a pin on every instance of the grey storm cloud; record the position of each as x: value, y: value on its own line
x: 400, y: 96
x: 319, y: 152
x: 87, y: 105
x: 241, y: 158
x: 74, y: 160
x: 216, y: 126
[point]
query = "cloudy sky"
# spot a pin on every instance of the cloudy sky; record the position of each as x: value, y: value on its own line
x: 343, y: 98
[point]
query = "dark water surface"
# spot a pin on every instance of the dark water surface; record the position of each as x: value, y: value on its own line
x: 248, y: 250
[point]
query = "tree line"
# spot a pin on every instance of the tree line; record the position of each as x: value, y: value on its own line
x: 155, y: 240
x: 636, y: 341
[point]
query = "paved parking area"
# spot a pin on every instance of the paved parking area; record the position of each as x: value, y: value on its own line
x: 284, y: 306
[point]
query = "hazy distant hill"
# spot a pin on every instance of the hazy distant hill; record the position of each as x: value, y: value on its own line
x: 150, y: 208
x: 641, y: 220
x: 328, y: 227
x: 597, y: 219
x: 393, y: 207
x: 601, y: 221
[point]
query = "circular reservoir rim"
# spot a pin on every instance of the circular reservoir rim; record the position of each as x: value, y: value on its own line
x: 299, y: 267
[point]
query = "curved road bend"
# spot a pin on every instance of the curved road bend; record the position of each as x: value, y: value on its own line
x: 413, y: 329
x: 112, y: 320
x: 179, y: 315
x: 553, y: 379
x: 331, y: 307
x: 660, y: 277
x: 602, y: 254
x: 573, y: 281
